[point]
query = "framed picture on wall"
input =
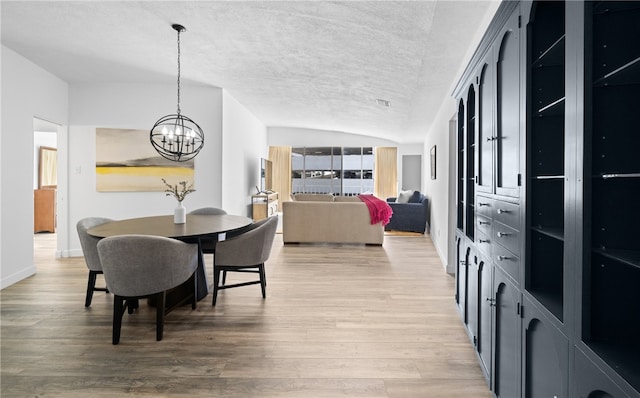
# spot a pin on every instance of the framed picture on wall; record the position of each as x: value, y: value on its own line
x: 126, y: 162
x: 433, y: 162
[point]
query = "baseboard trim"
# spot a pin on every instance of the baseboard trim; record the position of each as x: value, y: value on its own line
x: 17, y: 277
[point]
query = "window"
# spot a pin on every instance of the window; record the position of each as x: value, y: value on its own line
x: 334, y: 170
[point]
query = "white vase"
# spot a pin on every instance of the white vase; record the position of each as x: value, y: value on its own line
x: 180, y: 214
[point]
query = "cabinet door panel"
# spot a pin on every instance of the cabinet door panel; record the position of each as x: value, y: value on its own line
x: 507, y: 337
x: 507, y: 138
x: 591, y: 382
x: 546, y: 355
x: 461, y: 277
x: 485, y: 128
x: 485, y: 321
x: 472, y: 296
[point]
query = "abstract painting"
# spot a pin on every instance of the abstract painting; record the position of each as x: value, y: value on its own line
x: 126, y: 161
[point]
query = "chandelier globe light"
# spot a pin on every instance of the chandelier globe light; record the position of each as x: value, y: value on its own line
x: 177, y: 137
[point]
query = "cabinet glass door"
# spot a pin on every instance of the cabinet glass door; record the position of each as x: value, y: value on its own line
x: 507, y: 134
x: 485, y: 129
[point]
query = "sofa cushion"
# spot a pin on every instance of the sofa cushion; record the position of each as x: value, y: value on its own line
x: 404, y: 196
x: 346, y: 199
x: 416, y: 197
x: 312, y: 197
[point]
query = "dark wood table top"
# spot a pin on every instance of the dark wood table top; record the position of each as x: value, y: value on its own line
x: 196, y: 226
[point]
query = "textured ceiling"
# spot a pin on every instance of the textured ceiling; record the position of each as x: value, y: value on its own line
x: 310, y: 64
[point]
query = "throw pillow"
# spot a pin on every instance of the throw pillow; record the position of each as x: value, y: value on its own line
x: 416, y: 197
x: 404, y: 196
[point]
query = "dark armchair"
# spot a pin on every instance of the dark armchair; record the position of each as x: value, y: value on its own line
x: 411, y: 216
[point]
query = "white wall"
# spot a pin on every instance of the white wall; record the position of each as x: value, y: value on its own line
x: 28, y: 91
x: 438, y: 190
x: 136, y: 106
x: 244, y: 142
x: 438, y: 133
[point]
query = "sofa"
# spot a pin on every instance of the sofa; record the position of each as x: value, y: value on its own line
x: 321, y: 218
x: 410, y: 212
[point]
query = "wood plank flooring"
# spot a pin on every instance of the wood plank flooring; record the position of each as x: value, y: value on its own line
x: 338, y: 321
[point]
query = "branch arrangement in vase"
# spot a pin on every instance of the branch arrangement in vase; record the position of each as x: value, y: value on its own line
x: 178, y: 191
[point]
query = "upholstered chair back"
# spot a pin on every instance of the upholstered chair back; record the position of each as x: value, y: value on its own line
x: 139, y: 265
x: 252, y: 247
x: 208, y: 211
x: 88, y: 242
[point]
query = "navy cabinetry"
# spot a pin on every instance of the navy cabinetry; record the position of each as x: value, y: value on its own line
x: 548, y: 236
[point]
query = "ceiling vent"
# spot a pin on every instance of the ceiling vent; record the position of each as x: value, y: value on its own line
x: 385, y: 103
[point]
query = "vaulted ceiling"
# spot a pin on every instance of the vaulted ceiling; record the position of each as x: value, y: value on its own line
x: 310, y: 64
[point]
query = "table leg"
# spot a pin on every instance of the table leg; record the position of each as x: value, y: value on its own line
x: 202, y: 288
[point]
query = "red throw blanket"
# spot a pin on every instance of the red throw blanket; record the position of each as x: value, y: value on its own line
x: 379, y: 210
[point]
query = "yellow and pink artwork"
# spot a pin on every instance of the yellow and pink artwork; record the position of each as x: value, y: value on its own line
x: 126, y: 161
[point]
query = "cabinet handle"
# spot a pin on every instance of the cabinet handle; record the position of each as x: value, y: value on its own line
x: 480, y: 204
x: 492, y: 301
x: 500, y: 211
x: 501, y: 234
x: 483, y: 222
x: 491, y: 139
x: 483, y: 240
x: 500, y: 258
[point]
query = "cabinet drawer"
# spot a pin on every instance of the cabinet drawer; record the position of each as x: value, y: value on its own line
x: 506, y: 260
x: 484, y: 224
x: 483, y: 243
x: 507, y: 237
x: 484, y: 206
x: 507, y: 213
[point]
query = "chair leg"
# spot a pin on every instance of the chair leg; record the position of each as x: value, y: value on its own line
x: 118, y: 312
x: 132, y: 304
x: 91, y: 287
x: 160, y: 302
x: 194, y: 298
x: 263, y: 280
x: 224, y: 278
x: 91, y: 284
x: 216, y: 282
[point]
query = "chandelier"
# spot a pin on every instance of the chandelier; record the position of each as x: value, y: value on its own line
x: 177, y: 137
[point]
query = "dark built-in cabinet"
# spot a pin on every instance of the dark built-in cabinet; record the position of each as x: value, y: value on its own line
x: 548, y: 221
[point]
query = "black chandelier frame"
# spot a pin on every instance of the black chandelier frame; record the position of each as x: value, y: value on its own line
x: 177, y: 137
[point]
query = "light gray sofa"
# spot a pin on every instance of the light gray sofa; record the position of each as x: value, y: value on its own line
x: 326, y: 219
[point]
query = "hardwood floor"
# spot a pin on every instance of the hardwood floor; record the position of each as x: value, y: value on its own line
x: 338, y: 321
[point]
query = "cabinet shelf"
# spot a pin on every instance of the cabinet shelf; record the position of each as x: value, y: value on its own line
x: 628, y: 73
x: 556, y: 108
x: 607, y: 176
x: 551, y: 300
x: 629, y: 257
x: 553, y: 56
x: 605, y: 9
x: 621, y: 356
x: 545, y: 177
x: 552, y: 232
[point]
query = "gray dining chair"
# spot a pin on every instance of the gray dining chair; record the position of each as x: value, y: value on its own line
x: 139, y: 266
x: 246, y: 252
x: 90, y: 252
x: 208, y: 245
x: 211, y: 211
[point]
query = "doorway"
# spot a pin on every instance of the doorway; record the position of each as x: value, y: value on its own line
x: 45, y: 185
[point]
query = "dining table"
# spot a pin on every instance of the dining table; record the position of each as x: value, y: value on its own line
x: 194, y: 230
